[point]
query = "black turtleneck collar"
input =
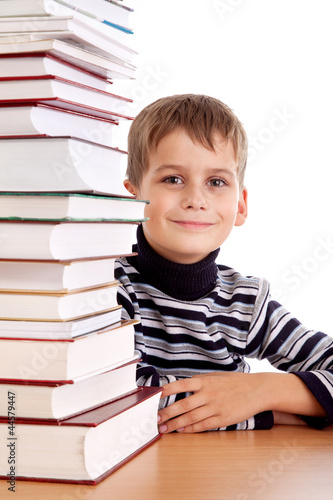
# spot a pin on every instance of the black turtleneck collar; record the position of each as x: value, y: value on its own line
x: 181, y: 281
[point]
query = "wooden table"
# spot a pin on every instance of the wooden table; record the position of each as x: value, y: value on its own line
x: 284, y: 463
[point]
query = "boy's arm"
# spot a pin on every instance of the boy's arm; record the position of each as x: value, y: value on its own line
x: 228, y: 398
x: 222, y: 399
x: 146, y: 374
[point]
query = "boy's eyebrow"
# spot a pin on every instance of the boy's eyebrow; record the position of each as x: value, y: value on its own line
x: 211, y: 171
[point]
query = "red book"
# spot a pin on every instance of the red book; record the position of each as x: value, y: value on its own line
x: 47, y: 360
x: 95, y: 63
x: 64, y: 94
x: 33, y: 65
x: 83, y: 449
x: 29, y: 120
x: 60, y: 400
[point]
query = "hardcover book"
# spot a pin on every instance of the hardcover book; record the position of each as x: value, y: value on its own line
x: 22, y: 66
x: 78, y: 28
x: 60, y: 330
x: 60, y: 164
x: 41, y: 120
x: 55, y: 276
x: 61, y: 93
x: 64, y: 240
x: 70, y: 206
x: 49, y: 360
x: 86, y: 448
x: 58, y: 306
x: 98, y: 64
x: 111, y: 12
x: 59, y: 400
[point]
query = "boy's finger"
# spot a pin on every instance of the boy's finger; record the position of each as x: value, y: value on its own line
x: 182, y: 385
x: 186, y: 420
x: 191, y: 403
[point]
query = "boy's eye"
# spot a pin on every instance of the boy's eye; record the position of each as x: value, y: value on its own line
x: 172, y: 179
x: 216, y: 182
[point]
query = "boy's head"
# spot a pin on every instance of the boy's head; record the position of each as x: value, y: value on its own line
x: 200, y: 116
x: 187, y: 156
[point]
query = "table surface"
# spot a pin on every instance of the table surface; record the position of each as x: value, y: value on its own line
x: 284, y: 463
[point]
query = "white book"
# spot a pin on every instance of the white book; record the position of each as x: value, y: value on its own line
x: 48, y: 89
x: 96, y: 63
x: 50, y: 276
x: 42, y: 119
x: 59, y: 330
x: 57, y: 306
x: 64, y: 240
x: 46, y: 64
x: 60, y: 164
x: 66, y: 360
x: 85, y: 448
x: 62, y: 400
x: 111, y: 11
x: 70, y: 206
x: 81, y: 30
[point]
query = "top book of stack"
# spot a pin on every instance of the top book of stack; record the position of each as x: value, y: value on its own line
x: 94, y: 35
x: 58, y: 61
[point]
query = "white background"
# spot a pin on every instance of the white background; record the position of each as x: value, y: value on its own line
x: 265, y: 59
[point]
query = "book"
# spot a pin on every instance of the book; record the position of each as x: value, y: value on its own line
x: 86, y: 17
x: 59, y: 330
x: 95, y: 63
x: 44, y: 120
x: 70, y: 206
x: 59, y: 400
x: 81, y: 449
x: 79, y: 29
x: 52, y: 276
x: 111, y: 11
x: 47, y: 360
x: 60, y: 164
x: 66, y: 94
x: 57, y: 306
x: 15, y: 66
x: 64, y: 240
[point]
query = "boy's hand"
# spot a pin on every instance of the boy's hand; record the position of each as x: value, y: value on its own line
x: 218, y: 400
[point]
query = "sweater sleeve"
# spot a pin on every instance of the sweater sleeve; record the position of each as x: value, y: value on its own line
x: 146, y: 375
x: 289, y: 346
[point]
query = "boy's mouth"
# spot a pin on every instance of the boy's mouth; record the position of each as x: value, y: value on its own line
x: 195, y: 225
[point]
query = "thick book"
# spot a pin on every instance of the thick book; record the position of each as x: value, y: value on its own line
x: 110, y: 11
x: 46, y: 360
x: 64, y: 240
x: 59, y: 400
x: 55, y: 306
x: 44, y: 120
x: 78, y: 29
x: 95, y: 63
x: 64, y: 94
x: 20, y: 66
x: 60, y: 164
x: 55, y: 276
x: 59, y: 330
x: 83, y: 449
x: 67, y: 206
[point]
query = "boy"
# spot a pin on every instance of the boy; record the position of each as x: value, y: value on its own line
x: 199, y: 320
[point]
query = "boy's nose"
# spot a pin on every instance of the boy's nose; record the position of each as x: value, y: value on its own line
x: 194, y: 198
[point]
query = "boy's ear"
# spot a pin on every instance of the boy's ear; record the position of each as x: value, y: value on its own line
x: 130, y: 187
x: 242, y: 208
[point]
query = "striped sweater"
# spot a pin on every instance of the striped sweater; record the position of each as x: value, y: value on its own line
x: 204, y: 317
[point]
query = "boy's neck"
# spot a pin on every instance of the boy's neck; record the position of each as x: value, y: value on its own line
x: 181, y: 281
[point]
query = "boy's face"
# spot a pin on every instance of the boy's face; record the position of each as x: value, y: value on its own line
x: 195, y: 197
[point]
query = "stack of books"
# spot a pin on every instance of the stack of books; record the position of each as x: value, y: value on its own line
x: 69, y: 405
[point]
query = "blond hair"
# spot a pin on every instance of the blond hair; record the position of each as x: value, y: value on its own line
x: 200, y: 116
